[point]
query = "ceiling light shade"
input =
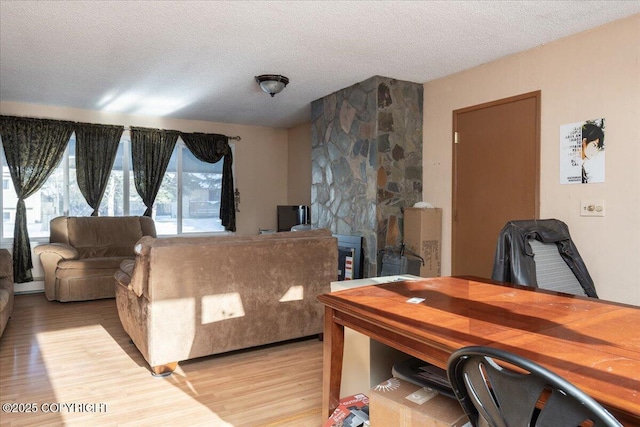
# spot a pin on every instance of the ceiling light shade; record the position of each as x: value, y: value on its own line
x: 272, y: 83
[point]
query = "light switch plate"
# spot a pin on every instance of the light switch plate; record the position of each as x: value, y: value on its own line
x: 592, y: 208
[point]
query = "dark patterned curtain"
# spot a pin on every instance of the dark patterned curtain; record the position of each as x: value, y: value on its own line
x: 96, y: 148
x: 210, y: 148
x: 33, y: 149
x: 150, y: 151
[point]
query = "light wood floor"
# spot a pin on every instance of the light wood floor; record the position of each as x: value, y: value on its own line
x: 77, y: 353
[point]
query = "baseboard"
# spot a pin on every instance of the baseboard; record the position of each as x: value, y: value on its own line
x: 28, y: 287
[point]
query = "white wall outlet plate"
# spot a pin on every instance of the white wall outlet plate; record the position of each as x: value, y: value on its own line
x: 592, y: 208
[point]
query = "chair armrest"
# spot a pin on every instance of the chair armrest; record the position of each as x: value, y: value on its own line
x: 63, y: 250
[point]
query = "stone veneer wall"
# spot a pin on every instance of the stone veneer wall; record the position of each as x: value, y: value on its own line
x: 367, y: 161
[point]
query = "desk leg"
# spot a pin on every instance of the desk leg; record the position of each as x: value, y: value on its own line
x: 332, y: 363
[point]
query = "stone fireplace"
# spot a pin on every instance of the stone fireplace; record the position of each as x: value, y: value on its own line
x: 367, y: 161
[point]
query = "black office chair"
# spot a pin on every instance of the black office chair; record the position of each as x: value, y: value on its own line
x: 495, y: 395
x: 541, y: 253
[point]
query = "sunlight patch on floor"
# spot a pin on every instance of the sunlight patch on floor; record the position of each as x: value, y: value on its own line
x: 97, y: 383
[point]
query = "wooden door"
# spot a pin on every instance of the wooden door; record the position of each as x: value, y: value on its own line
x: 496, y: 168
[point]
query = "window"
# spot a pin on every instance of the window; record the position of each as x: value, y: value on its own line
x: 197, y: 184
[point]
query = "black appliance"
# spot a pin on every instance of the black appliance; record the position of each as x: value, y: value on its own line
x: 290, y: 215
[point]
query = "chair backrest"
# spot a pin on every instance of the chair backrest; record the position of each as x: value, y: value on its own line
x: 552, y: 272
x: 495, y: 394
x: 541, y: 253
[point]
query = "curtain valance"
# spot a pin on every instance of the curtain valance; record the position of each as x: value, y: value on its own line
x: 210, y: 148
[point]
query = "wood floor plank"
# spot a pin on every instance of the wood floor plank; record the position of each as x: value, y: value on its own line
x: 77, y: 353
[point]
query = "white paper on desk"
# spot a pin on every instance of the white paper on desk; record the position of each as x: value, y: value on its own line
x: 415, y: 300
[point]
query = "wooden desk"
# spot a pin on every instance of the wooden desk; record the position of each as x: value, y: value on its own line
x: 592, y: 343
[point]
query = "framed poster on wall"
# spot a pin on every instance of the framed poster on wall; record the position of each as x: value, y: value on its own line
x: 582, y: 152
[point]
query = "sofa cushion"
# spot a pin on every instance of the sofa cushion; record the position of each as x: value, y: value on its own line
x: 124, y: 273
x: 127, y: 266
x: 106, y: 251
x: 107, y: 263
x: 103, y: 236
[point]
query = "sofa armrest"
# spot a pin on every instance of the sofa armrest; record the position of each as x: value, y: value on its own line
x: 62, y: 250
x: 140, y: 274
x: 6, y: 264
x: 50, y: 255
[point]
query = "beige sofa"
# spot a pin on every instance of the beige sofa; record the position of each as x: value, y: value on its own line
x: 6, y: 288
x: 85, y: 252
x: 187, y: 297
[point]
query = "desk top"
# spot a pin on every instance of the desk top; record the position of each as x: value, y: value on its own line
x: 592, y: 343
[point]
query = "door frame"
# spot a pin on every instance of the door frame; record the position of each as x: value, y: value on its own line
x: 537, y: 95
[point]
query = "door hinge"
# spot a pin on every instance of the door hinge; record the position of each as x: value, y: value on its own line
x: 455, y: 137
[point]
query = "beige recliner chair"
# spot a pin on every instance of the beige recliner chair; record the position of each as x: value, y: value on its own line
x: 6, y: 288
x: 85, y: 252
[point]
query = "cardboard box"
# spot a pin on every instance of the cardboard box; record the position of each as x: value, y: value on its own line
x: 423, y: 236
x: 398, y: 403
x: 352, y: 411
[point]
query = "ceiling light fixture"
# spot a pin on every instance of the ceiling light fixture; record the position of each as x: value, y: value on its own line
x: 272, y: 83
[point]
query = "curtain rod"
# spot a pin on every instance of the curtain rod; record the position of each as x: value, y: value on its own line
x: 235, y: 138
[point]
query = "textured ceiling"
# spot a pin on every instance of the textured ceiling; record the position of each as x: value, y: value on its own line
x: 197, y: 59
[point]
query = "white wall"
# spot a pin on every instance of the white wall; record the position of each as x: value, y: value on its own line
x: 299, y: 171
x: 585, y: 76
